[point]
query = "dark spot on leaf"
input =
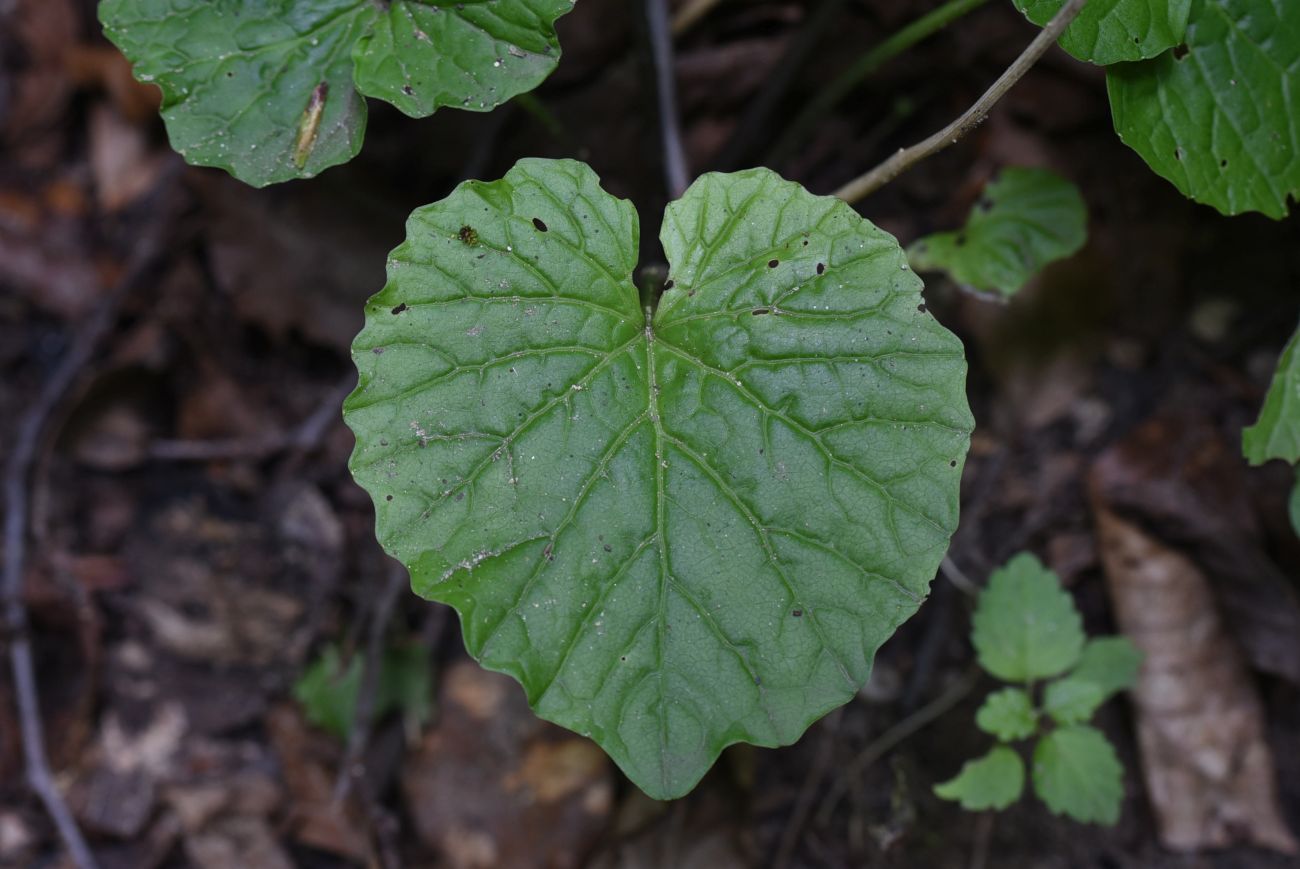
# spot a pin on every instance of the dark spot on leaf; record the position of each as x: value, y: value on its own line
x: 1180, y: 51
x: 378, y: 351
x: 953, y: 463
x: 797, y: 614
x: 460, y: 496
x: 922, y: 308
x: 469, y: 235
x: 388, y: 497
x: 805, y: 242
x: 230, y: 75
x: 821, y: 268
x: 758, y: 312
x: 960, y: 240
x: 400, y: 308
x: 1178, y: 153
x: 546, y: 552
x: 984, y: 204
x: 608, y: 548
x: 1223, y: 164
x: 539, y: 225
x: 773, y: 263
x: 406, y: 89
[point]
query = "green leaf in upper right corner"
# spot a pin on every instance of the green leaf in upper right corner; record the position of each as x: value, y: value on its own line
x: 1025, y: 626
x: 1112, y: 31
x: 1076, y: 773
x: 993, y: 781
x: 1110, y: 663
x: 1216, y: 116
x: 1276, y: 434
x: 1025, y: 219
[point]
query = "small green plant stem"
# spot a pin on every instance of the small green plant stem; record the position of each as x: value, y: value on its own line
x: 869, y: 182
x: 880, y: 54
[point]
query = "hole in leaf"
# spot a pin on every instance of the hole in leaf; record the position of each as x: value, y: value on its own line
x: 669, y: 285
x: 1181, y: 51
x: 922, y: 308
x: 407, y: 89
x: 797, y: 613
x: 758, y: 312
x: 1223, y: 164
x: 540, y: 226
x: 400, y: 308
x: 773, y: 263
x: 821, y: 268
x: 1178, y: 153
x: 953, y: 463
x: 388, y: 497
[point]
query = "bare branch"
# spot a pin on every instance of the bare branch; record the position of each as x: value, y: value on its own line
x: 869, y: 182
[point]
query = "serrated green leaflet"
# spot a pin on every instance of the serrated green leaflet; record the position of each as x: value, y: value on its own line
x: 1110, y: 663
x: 1276, y: 433
x: 1077, y: 773
x: 1025, y: 219
x: 993, y: 781
x: 1112, y: 31
x: 1025, y: 626
x: 676, y: 534
x: 1072, y: 700
x: 268, y: 89
x: 1217, y: 117
x: 1007, y: 714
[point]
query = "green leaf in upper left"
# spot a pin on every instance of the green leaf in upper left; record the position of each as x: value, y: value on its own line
x: 269, y: 89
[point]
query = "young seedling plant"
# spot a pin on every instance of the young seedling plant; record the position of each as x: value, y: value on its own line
x: 689, y: 518
x: 1026, y: 631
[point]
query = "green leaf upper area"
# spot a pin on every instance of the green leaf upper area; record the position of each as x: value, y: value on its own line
x: 993, y: 781
x: 1217, y: 116
x: 1111, y: 31
x: 1077, y: 773
x: 1025, y: 626
x: 1007, y: 714
x: 1025, y: 219
x: 268, y: 89
x: 1276, y: 434
x: 676, y: 534
x: 1072, y: 700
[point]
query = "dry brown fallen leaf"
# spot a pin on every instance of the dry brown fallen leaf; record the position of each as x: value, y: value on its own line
x: 492, y: 785
x: 1208, y: 769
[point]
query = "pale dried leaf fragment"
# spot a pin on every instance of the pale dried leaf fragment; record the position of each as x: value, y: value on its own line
x: 1208, y: 769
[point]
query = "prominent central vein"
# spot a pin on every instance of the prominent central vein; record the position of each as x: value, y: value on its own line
x: 652, y: 404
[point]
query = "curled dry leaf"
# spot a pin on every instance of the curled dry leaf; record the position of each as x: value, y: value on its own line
x: 492, y: 785
x: 1209, y: 771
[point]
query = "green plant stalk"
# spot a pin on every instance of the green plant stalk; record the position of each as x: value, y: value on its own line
x: 876, y: 57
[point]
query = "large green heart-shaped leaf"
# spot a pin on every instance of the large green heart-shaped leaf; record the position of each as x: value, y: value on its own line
x: 1217, y: 116
x: 265, y: 88
x: 1025, y: 219
x: 1111, y: 31
x: 677, y: 532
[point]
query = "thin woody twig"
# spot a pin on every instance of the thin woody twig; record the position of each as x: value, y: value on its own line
x: 869, y: 182
x: 661, y: 45
x: 31, y: 429
x: 303, y: 438
x: 891, y: 738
